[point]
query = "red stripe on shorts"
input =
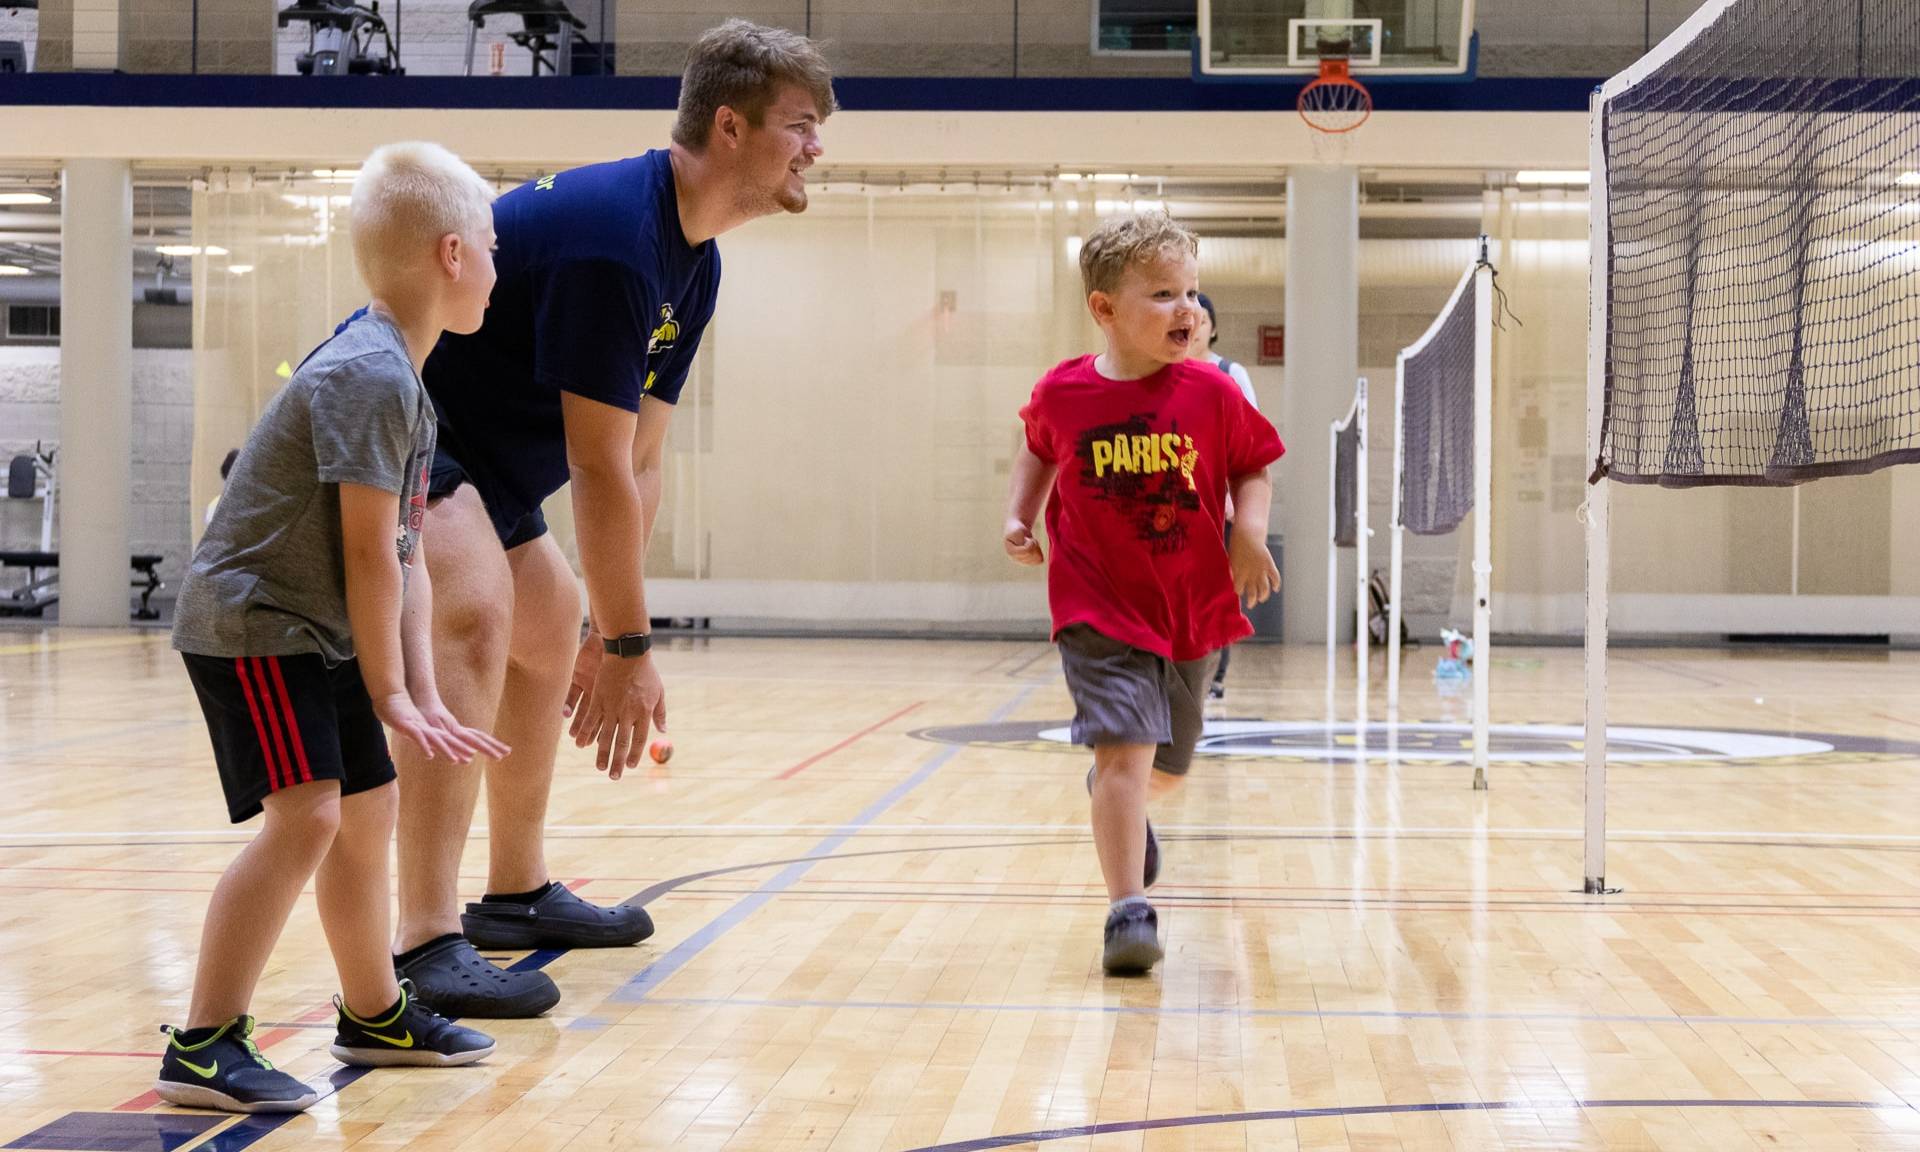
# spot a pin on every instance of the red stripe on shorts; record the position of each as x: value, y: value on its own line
x: 293, y: 726
x: 259, y: 726
x: 273, y: 723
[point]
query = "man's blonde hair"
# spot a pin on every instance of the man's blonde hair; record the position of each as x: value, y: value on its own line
x: 1124, y: 242
x: 742, y: 65
x: 406, y: 198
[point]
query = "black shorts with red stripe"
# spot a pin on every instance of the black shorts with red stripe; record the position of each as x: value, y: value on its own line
x: 278, y: 721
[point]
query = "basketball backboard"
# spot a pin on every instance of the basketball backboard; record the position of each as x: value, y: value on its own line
x: 1410, y: 39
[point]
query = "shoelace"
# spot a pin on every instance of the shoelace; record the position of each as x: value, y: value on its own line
x: 245, y: 1037
x: 246, y: 1041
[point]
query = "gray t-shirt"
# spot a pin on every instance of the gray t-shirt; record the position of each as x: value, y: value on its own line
x: 269, y: 577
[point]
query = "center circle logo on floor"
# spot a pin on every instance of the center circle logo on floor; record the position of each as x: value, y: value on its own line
x: 1316, y: 742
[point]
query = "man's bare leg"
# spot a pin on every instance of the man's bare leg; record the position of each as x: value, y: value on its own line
x: 546, y: 636
x: 472, y: 619
x: 473, y: 609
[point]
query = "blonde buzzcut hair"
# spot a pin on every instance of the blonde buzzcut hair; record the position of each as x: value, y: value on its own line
x: 405, y: 199
x: 742, y: 65
x: 1131, y: 241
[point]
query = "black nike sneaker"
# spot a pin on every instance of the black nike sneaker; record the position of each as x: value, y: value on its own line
x: 225, y: 1071
x: 409, y: 1034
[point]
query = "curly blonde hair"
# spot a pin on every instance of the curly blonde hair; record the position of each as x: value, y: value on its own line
x: 1126, y: 241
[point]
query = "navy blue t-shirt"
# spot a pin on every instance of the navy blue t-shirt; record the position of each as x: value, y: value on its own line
x: 600, y: 295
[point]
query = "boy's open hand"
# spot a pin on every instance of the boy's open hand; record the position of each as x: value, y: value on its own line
x: 1022, y: 545
x: 436, y: 732
x: 1254, y: 575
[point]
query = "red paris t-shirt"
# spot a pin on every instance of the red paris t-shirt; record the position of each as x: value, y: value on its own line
x: 1136, y: 516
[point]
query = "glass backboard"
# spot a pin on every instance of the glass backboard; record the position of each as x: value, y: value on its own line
x: 1410, y: 38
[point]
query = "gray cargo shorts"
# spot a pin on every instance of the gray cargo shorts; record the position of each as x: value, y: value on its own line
x: 1124, y: 695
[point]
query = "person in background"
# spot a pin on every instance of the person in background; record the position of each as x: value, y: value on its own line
x: 1205, y: 336
x: 226, y: 469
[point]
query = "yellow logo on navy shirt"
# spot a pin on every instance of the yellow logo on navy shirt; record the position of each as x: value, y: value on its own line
x: 545, y: 183
x: 662, y: 338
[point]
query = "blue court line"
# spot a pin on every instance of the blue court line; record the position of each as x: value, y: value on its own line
x: 1517, y: 1106
x: 654, y: 974
x: 1298, y: 1013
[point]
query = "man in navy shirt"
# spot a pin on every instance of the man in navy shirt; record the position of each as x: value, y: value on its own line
x: 607, y: 278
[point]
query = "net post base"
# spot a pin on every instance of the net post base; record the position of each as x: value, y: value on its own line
x: 1597, y: 886
x: 1479, y: 779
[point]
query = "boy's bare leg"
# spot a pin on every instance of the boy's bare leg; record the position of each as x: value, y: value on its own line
x: 353, y: 896
x: 1120, y: 778
x: 472, y: 619
x: 545, y: 637
x: 255, y: 896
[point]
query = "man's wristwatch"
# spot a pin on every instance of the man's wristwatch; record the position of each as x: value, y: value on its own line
x: 627, y: 647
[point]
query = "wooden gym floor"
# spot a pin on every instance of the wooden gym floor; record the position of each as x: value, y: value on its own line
x: 878, y: 937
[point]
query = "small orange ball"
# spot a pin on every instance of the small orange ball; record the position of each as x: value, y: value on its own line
x: 662, y: 751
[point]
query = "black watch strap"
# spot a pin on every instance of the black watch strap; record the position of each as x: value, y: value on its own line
x: 629, y: 646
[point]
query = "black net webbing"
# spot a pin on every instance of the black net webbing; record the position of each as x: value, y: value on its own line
x: 1436, y: 463
x: 1346, y: 486
x: 1762, y: 278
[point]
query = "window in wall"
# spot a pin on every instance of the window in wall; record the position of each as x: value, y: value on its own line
x: 33, y: 322
x: 1144, y: 26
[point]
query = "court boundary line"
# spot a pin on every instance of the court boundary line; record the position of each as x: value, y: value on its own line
x: 1524, y: 1107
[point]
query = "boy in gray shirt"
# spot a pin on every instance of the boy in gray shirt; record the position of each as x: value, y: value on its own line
x: 295, y: 635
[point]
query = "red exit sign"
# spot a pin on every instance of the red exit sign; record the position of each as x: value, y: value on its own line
x: 1273, y: 343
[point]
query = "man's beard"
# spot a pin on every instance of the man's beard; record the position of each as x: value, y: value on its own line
x: 770, y: 201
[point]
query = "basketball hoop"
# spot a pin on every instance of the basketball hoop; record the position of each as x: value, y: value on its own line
x: 1335, y: 103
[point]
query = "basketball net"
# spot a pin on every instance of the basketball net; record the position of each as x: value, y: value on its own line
x: 1334, y: 105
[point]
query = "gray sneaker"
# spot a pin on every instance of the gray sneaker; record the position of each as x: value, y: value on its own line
x: 1133, y: 940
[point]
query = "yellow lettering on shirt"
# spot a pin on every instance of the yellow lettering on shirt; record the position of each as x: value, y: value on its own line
x: 1102, y: 457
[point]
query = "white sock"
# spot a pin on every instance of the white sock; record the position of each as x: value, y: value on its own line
x: 1126, y: 901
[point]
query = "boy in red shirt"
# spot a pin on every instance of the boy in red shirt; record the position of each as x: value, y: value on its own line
x: 1140, y: 448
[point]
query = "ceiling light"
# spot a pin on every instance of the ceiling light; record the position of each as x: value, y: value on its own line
x: 1554, y: 176
x: 337, y: 175
x: 239, y: 269
x: 1908, y: 179
x: 10, y: 198
x: 189, y: 250
x: 14, y: 270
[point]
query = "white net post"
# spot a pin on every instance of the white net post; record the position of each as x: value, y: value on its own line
x: 1598, y: 516
x: 1333, y: 560
x: 1396, y: 531
x: 1362, y: 531
x: 1354, y: 422
x: 1482, y: 511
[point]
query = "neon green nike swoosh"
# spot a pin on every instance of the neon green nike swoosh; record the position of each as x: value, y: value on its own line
x: 405, y: 1041
x: 206, y: 1073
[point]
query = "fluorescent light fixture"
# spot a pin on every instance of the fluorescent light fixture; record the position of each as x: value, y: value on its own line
x: 1552, y: 176
x: 1909, y: 180
x: 10, y: 198
x: 1114, y: 177
x: 239, y: 269
x: 337, y: 175
x: 14, y: 270
x: 1071, y: 177
x: 189, y: 250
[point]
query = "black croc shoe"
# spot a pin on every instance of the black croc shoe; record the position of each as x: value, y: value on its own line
x: 559, y: 919
x: 454, y: 980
